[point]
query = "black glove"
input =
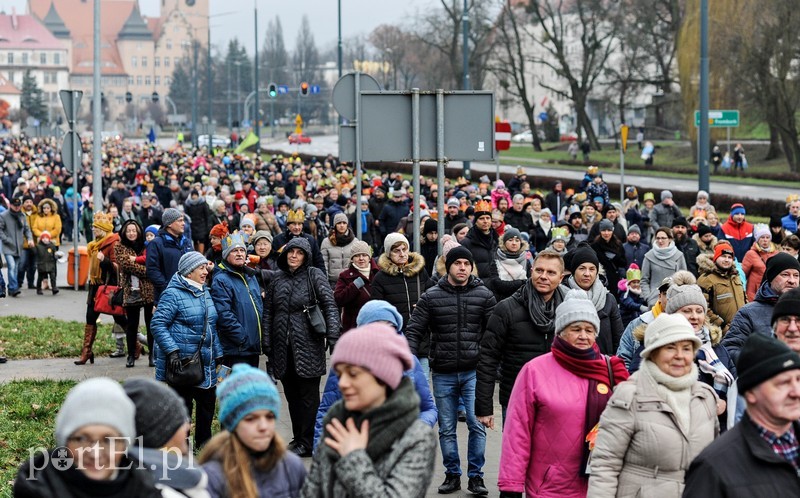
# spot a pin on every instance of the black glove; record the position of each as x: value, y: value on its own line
x: 510, y: 494
x: 331, y: 344
x: 174, y: 359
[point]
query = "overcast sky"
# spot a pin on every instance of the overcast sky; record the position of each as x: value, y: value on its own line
x: 358, y: 17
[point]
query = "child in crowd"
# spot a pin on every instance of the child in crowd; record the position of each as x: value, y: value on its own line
x: 46, y: 262
x: 631, y: 303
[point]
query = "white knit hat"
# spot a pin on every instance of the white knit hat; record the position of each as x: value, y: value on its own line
x: 668, y: 329
x: 392, y: 239
x: 576, y: 307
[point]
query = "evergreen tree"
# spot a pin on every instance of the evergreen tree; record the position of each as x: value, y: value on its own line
x: 32, y: 101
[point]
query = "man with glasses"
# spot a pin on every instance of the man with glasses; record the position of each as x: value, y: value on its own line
x: 781, y: 276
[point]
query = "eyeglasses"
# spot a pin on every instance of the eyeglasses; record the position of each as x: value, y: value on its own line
x: 787, y: 320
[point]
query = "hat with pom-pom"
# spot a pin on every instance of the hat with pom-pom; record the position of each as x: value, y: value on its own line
x: 244, y: 391
x: 684, y: 291
x: 576, y: 307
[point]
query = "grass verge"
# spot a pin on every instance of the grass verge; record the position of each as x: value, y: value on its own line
x: 23, y: 337
x: 28, y: 411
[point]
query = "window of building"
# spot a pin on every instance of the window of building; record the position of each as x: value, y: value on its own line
x: 158, y: 80
x: 169, y: 44
x: 144, y: 61
x: 11, y: 57
x: 178, y: 60
x: 56, y: 58
x: 167, y: 80
x: 139, y: 81
x: 43, y: 58
x: 157, y: 61
x: 24, y: 58
x: 147, y: 81
x: 134, y: 61
x: 166, y: 61
x: 130, y: 80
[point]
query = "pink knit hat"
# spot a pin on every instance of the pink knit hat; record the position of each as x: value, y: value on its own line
x: 447, y: 245
x: 377, y: 348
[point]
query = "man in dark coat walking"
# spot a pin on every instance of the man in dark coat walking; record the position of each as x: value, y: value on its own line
x: 760, y: 456
x: 481, y: 240
x: 685, y: 243
x: 294, y: 228
x: 165, y: 251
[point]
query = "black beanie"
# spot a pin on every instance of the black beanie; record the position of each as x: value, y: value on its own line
x: 455, y: 253
x: 703, y: 229
x: 581, y: 255
x: 775, y: 221
x: 430, y: 226
x: 779, y: 263
x: 788, y: 305
x: 160, y: 412
x: 762, y: 358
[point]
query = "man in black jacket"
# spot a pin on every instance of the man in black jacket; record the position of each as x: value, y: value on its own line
x: 517, y: 217
x: 685, y: 243
x: 760, y: 455
x: 481, y: 240
x: 514, y: 336
x: 455, y: 312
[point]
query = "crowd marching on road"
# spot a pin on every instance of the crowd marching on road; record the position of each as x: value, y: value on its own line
x: 639, y: 349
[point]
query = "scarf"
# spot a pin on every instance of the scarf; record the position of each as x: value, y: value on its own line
x: 711, y: 365
x: 511, y: 266
x: 590, y: 364
x: 676, y: 391
x: 665, y: 253
x: 597, y: 294
x: 341, y: 240
x: 387, y: 423
x: 543, y: 314
x: 92, y: 248
x: 364, y: 271
x: 364, y: 226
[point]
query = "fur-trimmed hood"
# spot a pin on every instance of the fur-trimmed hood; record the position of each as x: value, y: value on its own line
x: 51, y: 202
x: 714, y: 331
x: 706, y: 266
x: 416, y: 263
x: 703, y: 246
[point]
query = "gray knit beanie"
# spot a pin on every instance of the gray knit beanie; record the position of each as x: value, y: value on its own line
x: 359, y: 247
x: 189, y: 262
x: 684, y: 291
x: 576, y: 307
x: 160, y: 412
x: 170, y: 216
x: 97, y: 401
x: 339, y: 218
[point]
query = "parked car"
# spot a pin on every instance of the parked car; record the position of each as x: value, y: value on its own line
x: 216, y: 141
x: 568, y: 137
x: 526, y: 137
x: 299, y: 138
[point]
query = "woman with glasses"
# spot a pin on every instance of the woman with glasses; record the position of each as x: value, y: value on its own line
x: 93, y: 429
x: 660, y: 262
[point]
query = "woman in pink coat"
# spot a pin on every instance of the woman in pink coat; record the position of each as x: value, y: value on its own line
x: 499, y: 192
x: 555, y: 404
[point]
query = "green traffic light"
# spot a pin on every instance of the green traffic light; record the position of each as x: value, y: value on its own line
x: 272, y: 90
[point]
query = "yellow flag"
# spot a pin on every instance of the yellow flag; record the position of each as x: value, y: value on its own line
x: 249, y: 141
x: 623, y: 131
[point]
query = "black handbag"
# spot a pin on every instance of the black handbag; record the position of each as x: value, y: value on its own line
x: 191, y: 372
x: 313, y: 311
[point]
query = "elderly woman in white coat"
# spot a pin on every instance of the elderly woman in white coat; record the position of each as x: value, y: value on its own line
x: 658, y: 421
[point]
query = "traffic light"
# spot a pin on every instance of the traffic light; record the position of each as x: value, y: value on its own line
x: 272, y: 90
x: 304, y: 88
x: 154, y: 97
x: 128, y: 97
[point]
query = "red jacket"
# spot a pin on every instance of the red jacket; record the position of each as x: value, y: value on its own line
x: 350, y: 298
x: 740, y: 236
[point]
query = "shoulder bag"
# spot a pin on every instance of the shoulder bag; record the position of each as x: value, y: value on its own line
x: 108, y: 299
x: 191, y: 371
x: 313, y: 311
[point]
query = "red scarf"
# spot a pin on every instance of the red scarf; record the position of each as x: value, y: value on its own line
x: 590, y: 364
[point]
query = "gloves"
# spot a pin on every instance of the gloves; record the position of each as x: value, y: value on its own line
x: 644, y: 308
x: 331, y: 344
x: 359, y: 282
x: 174, y: 359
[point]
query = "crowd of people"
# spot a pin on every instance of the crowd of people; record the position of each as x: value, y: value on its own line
x: 640, y: 349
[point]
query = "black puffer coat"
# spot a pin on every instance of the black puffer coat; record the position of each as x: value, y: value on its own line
x: 512, y: 339
x: 456, y: 319
x: 284, y: 318
x: 483, y: 248
x: 402, y: 287
x: 200, y: 214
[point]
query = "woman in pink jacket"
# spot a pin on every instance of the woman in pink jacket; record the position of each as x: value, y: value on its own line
x: 555, y: 404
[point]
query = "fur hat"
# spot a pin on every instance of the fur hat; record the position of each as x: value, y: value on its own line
x: 220, y: 230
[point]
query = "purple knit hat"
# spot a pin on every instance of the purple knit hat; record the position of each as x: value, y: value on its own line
x: 377, y: 348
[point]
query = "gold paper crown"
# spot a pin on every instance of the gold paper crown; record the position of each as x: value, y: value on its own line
x: 483, y: 207
x: 592, y: 170
x: 103, y: 222
x: 791, y: 198
x: 296, y: 216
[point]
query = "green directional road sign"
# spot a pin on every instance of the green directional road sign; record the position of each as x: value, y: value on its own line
x: 719, y: 119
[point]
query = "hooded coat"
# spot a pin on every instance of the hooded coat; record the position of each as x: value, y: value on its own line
x: 754, y: 266
x: 723, y: 291
x: 286, y: 325
x: 163, y: 254
x: 50, y: 223
x: 237, y: 297
x: 200, y: 214
x: 707, y: 249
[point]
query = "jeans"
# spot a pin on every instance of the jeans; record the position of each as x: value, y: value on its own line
x: 26, y: 267
x: 426, y: 367
x: 447, y: 389
x: 11, y: 263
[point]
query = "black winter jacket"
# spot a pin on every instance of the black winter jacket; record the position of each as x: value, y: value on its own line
x: 282, y: 239
x: 511, y: 339
x: 483, y: 248
x: 741, y: 464
x: 521, y: 220
x: 455, y: 318
x: 286, y: 325
x: 200, y: 214
x: 612, y: 258
x: 690, y: 251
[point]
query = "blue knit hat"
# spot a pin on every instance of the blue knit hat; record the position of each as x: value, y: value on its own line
x: 152, y: 229
x: 189, y: 262
x: 231, y: 242
x: 379, y: 311
x: 246, y: 390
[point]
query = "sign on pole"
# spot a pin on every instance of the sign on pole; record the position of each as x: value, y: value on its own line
x: 623, y: 133
x: 502, y: 136
x: 720, y: 118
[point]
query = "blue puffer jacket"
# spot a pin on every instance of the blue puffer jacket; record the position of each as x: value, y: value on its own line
x: 752, y: 317
x: 237, y: 297
x: 163, y: 254
x: 178, y: 323
x: 427, y: 407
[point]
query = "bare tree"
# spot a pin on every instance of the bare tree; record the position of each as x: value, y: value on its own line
x: 511, y: 64
x: 577, y: 38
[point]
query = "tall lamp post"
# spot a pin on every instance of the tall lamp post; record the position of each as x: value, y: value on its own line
x: 465, y: 62
x: 255, y: 79
x: 704, y: 143
x: 97, y: 115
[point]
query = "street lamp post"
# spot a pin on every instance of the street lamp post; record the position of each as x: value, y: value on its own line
x: 194, y: 93
x: 228, y: 94
x: 255, y: 78
x: 465, y: 53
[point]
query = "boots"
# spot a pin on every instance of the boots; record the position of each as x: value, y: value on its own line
x: 131, y: 362
x: 89, y: 333
x: 120, y: 352
x: 138, y: 351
